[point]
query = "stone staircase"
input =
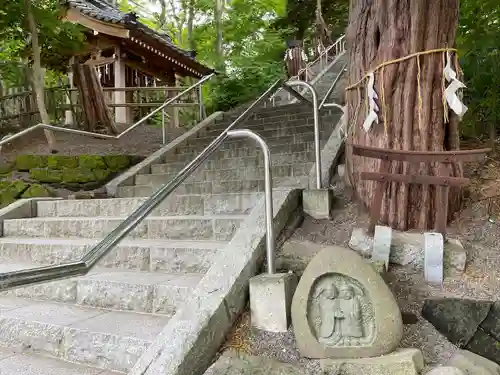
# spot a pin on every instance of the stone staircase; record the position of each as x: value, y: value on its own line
x: 102, y: 323
x: 322, y: 82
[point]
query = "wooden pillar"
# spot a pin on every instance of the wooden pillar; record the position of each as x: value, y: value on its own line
x: 122, y: 114
x: 71, y: 99
x: 173, y: 111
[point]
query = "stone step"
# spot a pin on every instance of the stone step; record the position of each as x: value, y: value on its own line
x: 216, y: 187
x: 225, y: 160
x: 264, y: 112
x: 145, y: 292
x: 159, y: 177
x: 173, y: 256
x: 215, y: 227
x: 102, y: 338
x: 271, y: 141
x: 175, y: 204
x: 279, y: 145
x: 17, y: 362
x: 186, y: 154
x: 276, y: 126
x: 216, y: 163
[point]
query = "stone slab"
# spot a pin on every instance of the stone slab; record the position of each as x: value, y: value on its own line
x: 434, y: 263
x: 318, y: 203
x: 361, y: 242
x: 382, y: 245
x: 491, y: 324
x: 407, y: 249
x: 295, y: 255
x: 271, y: 301
x: 400, y: 362
x: 485, y: 346
x: 473, y: 364
x: 445, y: 370
x: 29, y: 364
x: 21, y: 209
x: 457, y: 319
x: 232, y: 363
x: 330, y: 154
x: 343, y: 309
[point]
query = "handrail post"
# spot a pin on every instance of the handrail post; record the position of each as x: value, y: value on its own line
x: 317, y: 149
x: 163, y: 130
x: 200, y: 100
x: 268, y: 189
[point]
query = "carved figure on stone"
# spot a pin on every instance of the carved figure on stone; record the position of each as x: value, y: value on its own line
x: 348, y: 313
x: 339, y: 313
x: 343, y: 309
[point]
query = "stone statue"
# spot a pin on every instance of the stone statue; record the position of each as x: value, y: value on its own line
x: 343, y: 309
x: 327, y: 300
x: 340, y: 315
x: 348, y: 312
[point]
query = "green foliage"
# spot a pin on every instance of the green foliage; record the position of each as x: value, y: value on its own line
x: 58, y: 39
x: 91, y: 162
x: 477, y: 41
x: 37, y: 190
x: 117, y: 162
x: 26, y: 162
x: 61, y: 161
x: 46, y: 175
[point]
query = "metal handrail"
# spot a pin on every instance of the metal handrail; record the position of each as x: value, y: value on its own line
x: 14, y: 279
x: 339, y: 42
x: 268, y: 191
x: 339, y: 46
x: 329, y: 92
x: 317, y: 150
x: 106, y: 136
x: 20, y: 278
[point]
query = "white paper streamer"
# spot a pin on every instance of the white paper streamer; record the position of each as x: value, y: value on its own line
x: 372, y: 105
x: 304, y: 56
x: 450, y: 92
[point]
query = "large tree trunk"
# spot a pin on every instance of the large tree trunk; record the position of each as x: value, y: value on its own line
x: 383, y: 30
x: 38, y: 80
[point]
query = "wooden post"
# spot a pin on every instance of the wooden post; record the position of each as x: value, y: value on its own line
x: 174, y: 111
x: 71, y: 98
x: 122, y: 114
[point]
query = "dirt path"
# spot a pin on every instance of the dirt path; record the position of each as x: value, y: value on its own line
x: 142, y: 141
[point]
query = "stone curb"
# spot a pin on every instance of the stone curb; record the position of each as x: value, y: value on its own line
x: 329, y: 158
x: 190, y: 340
x: 21, y: 209
x: 127, y: 178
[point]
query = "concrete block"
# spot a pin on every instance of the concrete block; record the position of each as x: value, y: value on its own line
x: 399, y: 362
x: 382, y: 245
x: 407, y: 249
x: 271, y: 300
x: 318, y: 203
x: 20, y: 209
x: 434, y: 249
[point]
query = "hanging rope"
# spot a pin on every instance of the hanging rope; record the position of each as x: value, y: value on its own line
x: 449, y: 94
x: 401, y: 59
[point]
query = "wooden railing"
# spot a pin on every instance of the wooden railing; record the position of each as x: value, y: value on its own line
x: 19, y: 111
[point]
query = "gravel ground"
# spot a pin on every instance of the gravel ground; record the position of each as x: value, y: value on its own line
x: 481, y: 281
x: 142, y: 141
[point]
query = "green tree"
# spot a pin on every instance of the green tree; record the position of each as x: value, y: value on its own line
x: 478, y: 35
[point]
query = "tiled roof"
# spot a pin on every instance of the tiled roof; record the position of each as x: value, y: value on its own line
x: 104, y: 11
